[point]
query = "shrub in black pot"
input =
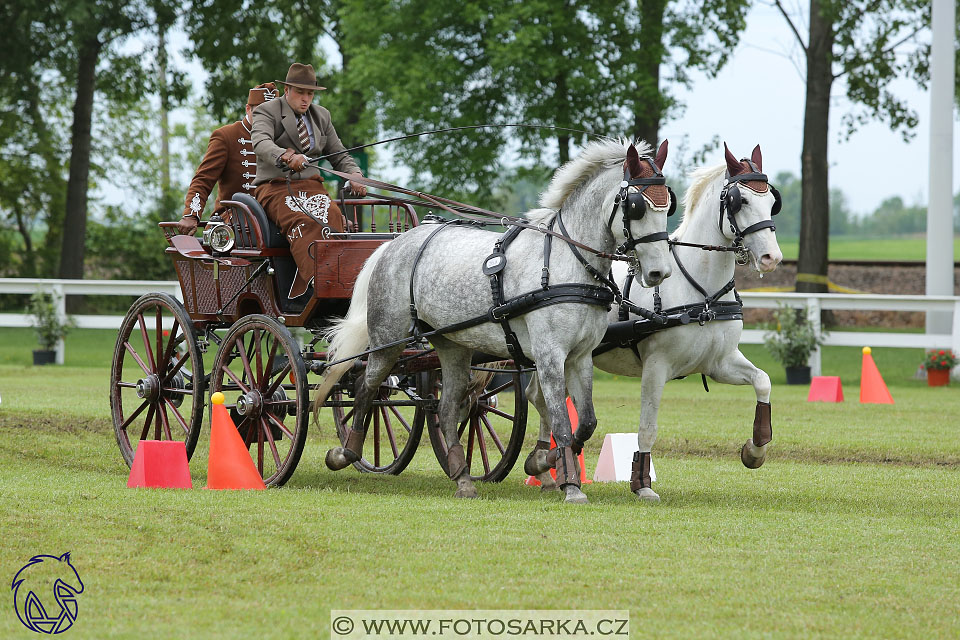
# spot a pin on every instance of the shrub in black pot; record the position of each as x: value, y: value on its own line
x: 50, y: 327
x: 791, y: 341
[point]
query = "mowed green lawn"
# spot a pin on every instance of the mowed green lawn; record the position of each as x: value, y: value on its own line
x: 912, y: 247
x: 849, y: 530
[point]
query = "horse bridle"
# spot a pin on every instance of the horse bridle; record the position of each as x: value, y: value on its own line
x: 731, y: 201
x: 634, y: 207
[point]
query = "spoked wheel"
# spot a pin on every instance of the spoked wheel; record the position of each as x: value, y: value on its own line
x: 156, y: 380
x: 492, y: 433
x: 394, y: 423
x: 262, y: 376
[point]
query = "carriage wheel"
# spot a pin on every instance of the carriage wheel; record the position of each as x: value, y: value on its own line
x: 492, y: 434
x: 395, y: 422
x: 156, y: 379
x: 261, y: 373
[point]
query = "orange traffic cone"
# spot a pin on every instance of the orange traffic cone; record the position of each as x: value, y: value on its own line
x: 574, y: 423
x: 872, y: 387
x: 229, y: 465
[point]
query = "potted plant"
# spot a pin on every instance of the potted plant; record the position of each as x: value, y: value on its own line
x: 938, y: 363
x: 791, y: 342
x: 49, y: 327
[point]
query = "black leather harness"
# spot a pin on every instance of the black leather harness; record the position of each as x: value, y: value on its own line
x: 502, y: 311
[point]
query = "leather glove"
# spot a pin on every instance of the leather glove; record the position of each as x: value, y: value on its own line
x: 297, y: 162
x: 286, y: 156
x: 355, y: 187
x: 187, y: 225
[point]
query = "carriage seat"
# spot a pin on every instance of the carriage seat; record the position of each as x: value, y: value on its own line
x: 273, y: 238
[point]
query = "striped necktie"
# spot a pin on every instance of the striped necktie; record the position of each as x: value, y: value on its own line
x: 304, y: 136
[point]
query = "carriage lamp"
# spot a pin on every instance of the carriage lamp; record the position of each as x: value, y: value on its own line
x: 218, y: 235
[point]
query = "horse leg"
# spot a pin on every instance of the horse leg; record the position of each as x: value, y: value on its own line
x: 651, y: 391
x: 738, y: 370
x: 379, y: 365
x: 580, y: 387
x: 553, y: 387
x: 536, y: 463
x: 455, y: 368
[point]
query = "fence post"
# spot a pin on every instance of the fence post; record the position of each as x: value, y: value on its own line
x: 955, y: 338
x: 61, y: 301
x: 813, y: 317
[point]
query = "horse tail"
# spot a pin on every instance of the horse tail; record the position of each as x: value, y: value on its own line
x: 348, y: 335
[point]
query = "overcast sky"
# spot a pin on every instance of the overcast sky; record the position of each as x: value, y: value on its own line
x: 758, y: 99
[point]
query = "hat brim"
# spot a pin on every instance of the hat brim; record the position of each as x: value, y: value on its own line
x: 309, y: 87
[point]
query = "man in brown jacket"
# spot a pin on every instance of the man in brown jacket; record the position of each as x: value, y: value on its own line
x: 230, y: 163
x: 292, y: 129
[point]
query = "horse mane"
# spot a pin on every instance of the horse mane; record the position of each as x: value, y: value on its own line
x: 598, y: 155
x: 701, y: 179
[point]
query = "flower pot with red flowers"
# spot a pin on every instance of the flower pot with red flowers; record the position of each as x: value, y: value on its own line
x: 938, y: 363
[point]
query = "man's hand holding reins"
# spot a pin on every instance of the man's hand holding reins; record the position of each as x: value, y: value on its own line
x: 356, y: 188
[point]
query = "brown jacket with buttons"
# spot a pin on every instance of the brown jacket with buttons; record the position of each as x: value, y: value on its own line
x: 229, y: 162
x: 275, y: 131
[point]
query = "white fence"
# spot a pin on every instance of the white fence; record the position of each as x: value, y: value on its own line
x: 812, y: 302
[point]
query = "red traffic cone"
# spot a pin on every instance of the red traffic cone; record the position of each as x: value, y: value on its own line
x: 229, y: 465
x: 825, y: 389
x: 574, y: 423
x: 160, y: 465
x: 873, y: 389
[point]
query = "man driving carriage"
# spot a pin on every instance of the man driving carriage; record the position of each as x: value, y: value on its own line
x: 289, y: 131
x: 228, y: 163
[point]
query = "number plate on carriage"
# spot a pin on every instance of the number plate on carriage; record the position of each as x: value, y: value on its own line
x: 338, y: 263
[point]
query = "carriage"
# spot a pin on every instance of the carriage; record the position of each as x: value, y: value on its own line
x: 237, y: 332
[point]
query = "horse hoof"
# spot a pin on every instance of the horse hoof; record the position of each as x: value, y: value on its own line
x: 547, y: 483
x: 647, y: 495
x: 338, y: 458
x: 749, y: 460
x: 536, y: 463
x: 574, y: 495
x: 466, y: 492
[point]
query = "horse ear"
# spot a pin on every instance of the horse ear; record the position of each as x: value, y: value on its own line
x: 733, y: 165
x: 65, y: 557
x: 662, y: 155
x: 633, y: 162
x: 757, y: 158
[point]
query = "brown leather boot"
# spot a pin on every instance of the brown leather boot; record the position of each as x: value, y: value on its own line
x: 762, y: 429
x: 640, y: 473
x: 568, y: 469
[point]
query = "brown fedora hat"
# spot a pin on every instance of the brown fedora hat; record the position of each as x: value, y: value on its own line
x: 301, y: 76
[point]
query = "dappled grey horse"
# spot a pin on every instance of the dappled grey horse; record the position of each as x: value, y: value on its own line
x: 726, y: 207
x: 445, y: 274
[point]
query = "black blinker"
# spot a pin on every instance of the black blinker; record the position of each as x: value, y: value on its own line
x: 777, y: 202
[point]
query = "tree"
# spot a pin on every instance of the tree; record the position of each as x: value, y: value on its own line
x: 866, y: 44
x: 591, y: 64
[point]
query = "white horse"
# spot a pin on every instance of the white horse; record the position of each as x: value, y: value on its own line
x: 726, y: 207
x: 444, y: 273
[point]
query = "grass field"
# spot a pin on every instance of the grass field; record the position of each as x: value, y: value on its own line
x: 912, y: 247
x: 851, y: 528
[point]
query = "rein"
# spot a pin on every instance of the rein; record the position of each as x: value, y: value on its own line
x: 471, y: 212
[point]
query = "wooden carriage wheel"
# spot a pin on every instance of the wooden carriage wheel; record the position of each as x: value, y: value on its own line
x: 156, y: 378
x: 492, y: 433
x: 261, y: 373
x: 395, y: 422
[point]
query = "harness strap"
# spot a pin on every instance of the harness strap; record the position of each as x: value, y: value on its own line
x: 415, y: 325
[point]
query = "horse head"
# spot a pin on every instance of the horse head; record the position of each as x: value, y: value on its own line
x: 748, y: 203
x: 645, y: 202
